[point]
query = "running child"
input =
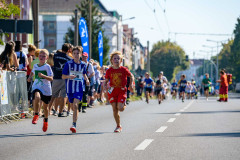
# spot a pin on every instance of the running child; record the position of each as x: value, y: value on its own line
x: 164, y: 89
x: 41, y: 88
x: 182, y: 85
x: 188, y: 89
x: 148, y: 83
x: 117, y: 75
x: 74, y: 73
x: 174, y: 89
x: 159, y: 88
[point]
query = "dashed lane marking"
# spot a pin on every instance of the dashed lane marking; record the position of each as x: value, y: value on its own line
x: 177, y: 114
x: 171, y: 120
x: 162, y: 129
x: 144, y: 144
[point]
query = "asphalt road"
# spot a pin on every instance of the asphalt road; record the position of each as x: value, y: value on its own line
x: 195, y: 129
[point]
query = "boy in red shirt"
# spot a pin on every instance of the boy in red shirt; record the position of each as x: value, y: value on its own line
x: 117, y: 76
x: 223, y: 92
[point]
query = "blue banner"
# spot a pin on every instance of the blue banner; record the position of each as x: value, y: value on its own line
x: 83, y: 32
x: 100, y: 47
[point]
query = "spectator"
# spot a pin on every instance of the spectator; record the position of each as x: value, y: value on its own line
x: 21, y: 56
x: 8, y: 58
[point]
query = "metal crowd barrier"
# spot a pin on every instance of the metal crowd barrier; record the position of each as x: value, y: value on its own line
x: 14, y: 97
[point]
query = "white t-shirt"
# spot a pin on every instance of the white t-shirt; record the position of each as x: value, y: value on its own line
x: 40, y: 83
x: 21, y: 65
x: 90, y: 70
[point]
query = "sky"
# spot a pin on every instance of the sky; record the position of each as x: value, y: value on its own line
x: 157, y: 20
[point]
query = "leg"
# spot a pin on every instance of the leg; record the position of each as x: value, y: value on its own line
x: 121, y: 107
x: 75, y: 109
x: 37, y: 99
x: 116, y: 113
x: 51, y: 103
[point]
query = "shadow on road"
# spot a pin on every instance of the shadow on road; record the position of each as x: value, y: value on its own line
x: 207, y: 112
x: 48, y: 134
x: 233, y: 134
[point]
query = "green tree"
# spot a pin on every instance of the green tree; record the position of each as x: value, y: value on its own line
x: 168, y: 57
x: 6, y: 10
x: 235, y: 52
x: 97, y: 24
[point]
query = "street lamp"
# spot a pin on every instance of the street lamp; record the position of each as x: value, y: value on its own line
x: 217, y: 50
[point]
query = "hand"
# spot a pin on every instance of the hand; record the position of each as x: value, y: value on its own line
x: 72, y: 76
x: 131, y: 88
x: 40, y: 75
x: 29, y: 79
x: 87, y: 82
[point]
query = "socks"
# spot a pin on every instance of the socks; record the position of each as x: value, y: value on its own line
x: 74, y: 123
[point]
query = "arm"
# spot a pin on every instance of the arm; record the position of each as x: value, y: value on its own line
x: 68, y: 76
x: 86, y: 79
x: 131, y: 82
x: 105, y: 84
x: 49, y: 78
x: 16, y: 64
x: 30, y: 77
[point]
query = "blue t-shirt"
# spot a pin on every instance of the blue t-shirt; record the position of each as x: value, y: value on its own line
x: 71, y: 68
x: 183, y: 83
x: 174, y: 85
x: 148, y: 82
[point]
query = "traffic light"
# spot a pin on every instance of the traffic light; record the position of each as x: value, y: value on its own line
x: 187, y: 58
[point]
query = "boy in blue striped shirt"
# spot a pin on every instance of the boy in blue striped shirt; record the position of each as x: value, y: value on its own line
x: 74, y: 73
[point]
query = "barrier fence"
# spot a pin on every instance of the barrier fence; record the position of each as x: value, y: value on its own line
x: 14, y: 98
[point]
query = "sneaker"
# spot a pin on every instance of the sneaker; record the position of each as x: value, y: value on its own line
x: 83, y: 110
x: 61, y: 114
x: 73, y: 129
x: 127, y: 102
x: 182, y: 100
x: 159, y: 102
x: 207, y: 99
x: 35, y: 119
x: 45, y: 126
x: 219, y: 100
x: 68, y: 113
x: 89, y: 106
x: 118, y: 129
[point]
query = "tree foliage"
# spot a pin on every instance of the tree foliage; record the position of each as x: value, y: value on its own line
x: 168, y: 57
x: 97, y: 24
x: 6, y: 10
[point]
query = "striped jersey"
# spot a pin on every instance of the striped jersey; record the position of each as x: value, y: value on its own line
x: 71, y: 68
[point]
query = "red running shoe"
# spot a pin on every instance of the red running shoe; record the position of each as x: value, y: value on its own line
x: 118, y: 129
x: 45, y: 126
x: 73, y: 129
x: 35, y: 119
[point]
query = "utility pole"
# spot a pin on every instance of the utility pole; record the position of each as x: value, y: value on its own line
x: 35, y: 6
x: 90, y: 29
x: 76, y: 28
x: 148, y: 58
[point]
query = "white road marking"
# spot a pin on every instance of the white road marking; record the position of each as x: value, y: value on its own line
x: 144, y: 144
x: 162, y: 129
x: 171, y: 120
x: 177, y: 114
x: 182, y: 110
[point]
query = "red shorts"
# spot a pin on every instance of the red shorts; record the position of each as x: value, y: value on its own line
x: 118, y: 95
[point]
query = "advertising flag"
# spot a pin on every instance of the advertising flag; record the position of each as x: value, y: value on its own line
x: 83, y: 31
x: 100, y: 47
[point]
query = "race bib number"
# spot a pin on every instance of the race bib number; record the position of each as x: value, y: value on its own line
x: 183, y: 84
x: 110, y: 90
x: 79, y: 75
x: 206, y: 85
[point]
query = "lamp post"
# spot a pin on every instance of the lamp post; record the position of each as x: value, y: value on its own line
x: 211, y: 47
x: 217, y: 52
